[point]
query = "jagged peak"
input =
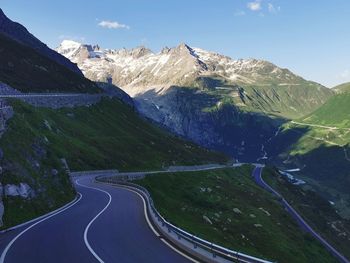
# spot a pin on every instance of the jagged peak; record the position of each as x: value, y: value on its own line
x: 184, y: 46
x: 96, y: 47
x: 140, y: 51
x: 165, y: 50
x: 184, y: 49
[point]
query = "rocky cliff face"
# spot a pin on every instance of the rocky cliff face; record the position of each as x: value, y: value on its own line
x: 214, y: 100
x: 19, y: 33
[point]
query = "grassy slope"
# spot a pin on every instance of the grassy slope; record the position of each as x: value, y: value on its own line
x: 324, y: 154
x: 287, y: 101
x: 25, y: 69
x: 335, y: 112
x: 290, y: 102
x: 179, y: 197
x: 316, y: 210
x: 345, y: 87
x: 107, y: 135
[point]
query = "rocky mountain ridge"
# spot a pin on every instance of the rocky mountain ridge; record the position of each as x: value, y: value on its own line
x: 231, y: 105
x: 140, y: 69
x: 19, y: 33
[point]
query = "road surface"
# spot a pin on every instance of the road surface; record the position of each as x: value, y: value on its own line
x: 259, y: 180
x: 106, y: 224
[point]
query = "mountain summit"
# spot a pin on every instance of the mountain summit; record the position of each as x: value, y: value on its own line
x: 232, y: 105
x: 182, y: 65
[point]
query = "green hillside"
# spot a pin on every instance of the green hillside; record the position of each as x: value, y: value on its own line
x: 335, y: 112
x: 104, y: 136
x: 342, y: 88
x: 227, y: 207
x: 319, y: 144
x: 288, y: 101
x: 25, y: 69
x: 318, y: 213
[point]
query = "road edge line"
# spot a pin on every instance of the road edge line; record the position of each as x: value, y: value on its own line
x: 38, y: 218
x: 157, y: 234
x: 60, y: 210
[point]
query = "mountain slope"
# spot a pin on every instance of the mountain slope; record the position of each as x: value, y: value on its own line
x: 335, y: 112
x: 108, y: 135
x: 342, y: 88
x: 24, y: 69
x: 242, y: 216
x: 318, y: 144
x: 230, y: 105
x: 19, y: 33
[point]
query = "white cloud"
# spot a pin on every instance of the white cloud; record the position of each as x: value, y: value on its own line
x: 112, y: 25
x: 254, y: 6
x: 272, y: 8
x: 239, y: 13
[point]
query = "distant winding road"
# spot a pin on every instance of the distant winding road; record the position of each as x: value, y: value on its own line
x: 319, y: 126
x: 257, y: 174
x: 106, y: 224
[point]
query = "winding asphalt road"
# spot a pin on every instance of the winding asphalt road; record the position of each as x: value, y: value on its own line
x: 106, y: 224
x: 260, y: 181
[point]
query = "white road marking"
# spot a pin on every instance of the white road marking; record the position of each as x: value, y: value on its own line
x: 37, y: 218
x: 3, y: 255
x: 92, y: 221
x: 153, y: 229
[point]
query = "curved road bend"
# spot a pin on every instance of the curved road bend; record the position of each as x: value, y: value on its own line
x: 82, y: 233
x: 260, y: 181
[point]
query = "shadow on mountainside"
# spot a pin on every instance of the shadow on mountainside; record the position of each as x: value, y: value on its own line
x: 210, y: 120
x: 329, y: 165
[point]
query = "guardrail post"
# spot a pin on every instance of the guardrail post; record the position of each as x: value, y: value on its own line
x: 212, y: 251
x: 194, y: 242
x: 237, y: 257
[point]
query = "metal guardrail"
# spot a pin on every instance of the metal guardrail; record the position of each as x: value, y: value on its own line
x: 111, y: 172
x: 214, y: 249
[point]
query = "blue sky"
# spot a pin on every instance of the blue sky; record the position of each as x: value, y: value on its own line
x: 310, y: 37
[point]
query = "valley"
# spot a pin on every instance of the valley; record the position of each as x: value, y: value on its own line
x: 318, y: 144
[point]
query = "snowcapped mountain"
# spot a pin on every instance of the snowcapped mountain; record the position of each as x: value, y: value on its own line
x: 139, y: 69
x: 232, y: 105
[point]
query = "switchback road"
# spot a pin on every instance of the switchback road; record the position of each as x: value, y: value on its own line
x: 106, y: 224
